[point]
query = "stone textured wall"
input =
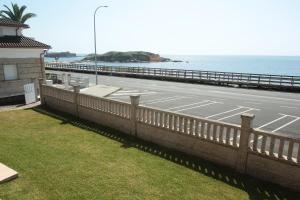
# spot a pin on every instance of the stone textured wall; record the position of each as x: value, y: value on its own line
x: 29, y: 70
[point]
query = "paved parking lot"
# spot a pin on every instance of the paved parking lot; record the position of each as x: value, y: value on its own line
x: 274, y: 111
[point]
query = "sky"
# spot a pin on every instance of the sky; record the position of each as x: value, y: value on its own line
x: 190, y: 27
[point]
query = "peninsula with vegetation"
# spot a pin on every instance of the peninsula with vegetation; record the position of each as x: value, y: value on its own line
x: 127, y: 57
x: 65, y: 54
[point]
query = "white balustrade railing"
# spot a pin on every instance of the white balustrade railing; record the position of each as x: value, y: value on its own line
x: 260, y: 142
x: 118, y: 108
x: 58, y: 93
x: 275, y: 146
x: 222, y: 133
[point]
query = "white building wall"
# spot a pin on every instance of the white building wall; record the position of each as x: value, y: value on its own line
x: 20, y: 53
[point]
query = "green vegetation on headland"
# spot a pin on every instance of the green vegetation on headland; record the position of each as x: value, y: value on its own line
x: 60, y: 54
x: 129, y: 56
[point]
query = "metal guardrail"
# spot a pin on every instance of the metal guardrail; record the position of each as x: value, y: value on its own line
x: 210, y: 77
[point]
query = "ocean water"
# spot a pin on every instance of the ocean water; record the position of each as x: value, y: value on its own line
x: 280, y: 65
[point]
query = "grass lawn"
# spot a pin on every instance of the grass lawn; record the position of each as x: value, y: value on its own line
x: 65, y: 158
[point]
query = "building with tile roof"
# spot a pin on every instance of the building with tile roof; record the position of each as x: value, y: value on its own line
x: 21, y: 60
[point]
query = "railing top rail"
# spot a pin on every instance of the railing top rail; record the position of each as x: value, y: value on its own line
x: 277, y: 135
x: 104, y: 99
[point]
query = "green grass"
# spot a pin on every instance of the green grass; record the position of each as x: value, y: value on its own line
x: 66, y: 158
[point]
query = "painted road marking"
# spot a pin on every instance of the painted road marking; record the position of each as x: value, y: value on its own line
x: 271, y: 122
x: 288, y: 115
x: 289, y: 107
x: 237, y: 114
x: 281, y: 127
x: 252, y: 95
x: 154, y: 100
x: 188, y: 105
x: 248, y: 102
x: 240, y: 107
x: 174, y: 99
x: 129, y: 94
x: 213, y: 102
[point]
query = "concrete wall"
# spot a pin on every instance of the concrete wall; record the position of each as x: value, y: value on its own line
x: 188, y: 144
x: 29, y: 70
x: 105, y: 119
x: 273, y: 170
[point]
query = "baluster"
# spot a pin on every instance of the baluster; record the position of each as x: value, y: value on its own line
x: 153, y: 117
x: 197, y: 128
x: 272, y: 143
x: 191, y: 127
x: 255, y: 138
x: 119, y: 110
x: 156, y: 118
x: 149, y: 116
x: 263, y: 144
x: 228, y: 129
x: 234, y: 143
x: 208, y: 130
x: 146, y: 116
x: 161, y: 118
x: 181, y: 124
x: 176, y: 118
x: 290, y: 151
x: 280, y: 150
x: 141, y: 115
x: 202, y: 129
x: 166, y: 120
x: 298, y: 157
x: 185, y: 125
x: 128, y: 111
x: 171, y: 118
x: 221, y: 134
x: 215, y: 127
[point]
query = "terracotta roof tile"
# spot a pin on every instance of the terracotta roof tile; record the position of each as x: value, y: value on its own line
x: 21, y: 42
x: 12, y: 23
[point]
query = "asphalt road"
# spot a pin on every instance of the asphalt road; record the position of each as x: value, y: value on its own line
x: 274, y: 111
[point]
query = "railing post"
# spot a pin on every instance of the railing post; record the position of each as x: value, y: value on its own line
x: 135, y: 100
x: 76, y: 89
x: 41, y: 82
x: 246, y: 129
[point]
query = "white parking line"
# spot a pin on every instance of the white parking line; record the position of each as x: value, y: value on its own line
x: 240, y: 107
x: 128, y: 91
x: 128, y: 94
x: 188, y: 105
x: 237, y: 113
x: 248, y: 102
x: 271, y: 122
x: 174, y: 99
x: 252, y: 95
x: 213, y: 102
x: 164, y: 98
x: 289, y: 115
x: 289, y: 107
x: 281, y: 127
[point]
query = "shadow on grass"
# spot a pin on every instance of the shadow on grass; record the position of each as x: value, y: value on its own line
x: 255, y: 188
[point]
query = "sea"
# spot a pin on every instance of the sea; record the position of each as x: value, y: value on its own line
x: 279, y: 65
